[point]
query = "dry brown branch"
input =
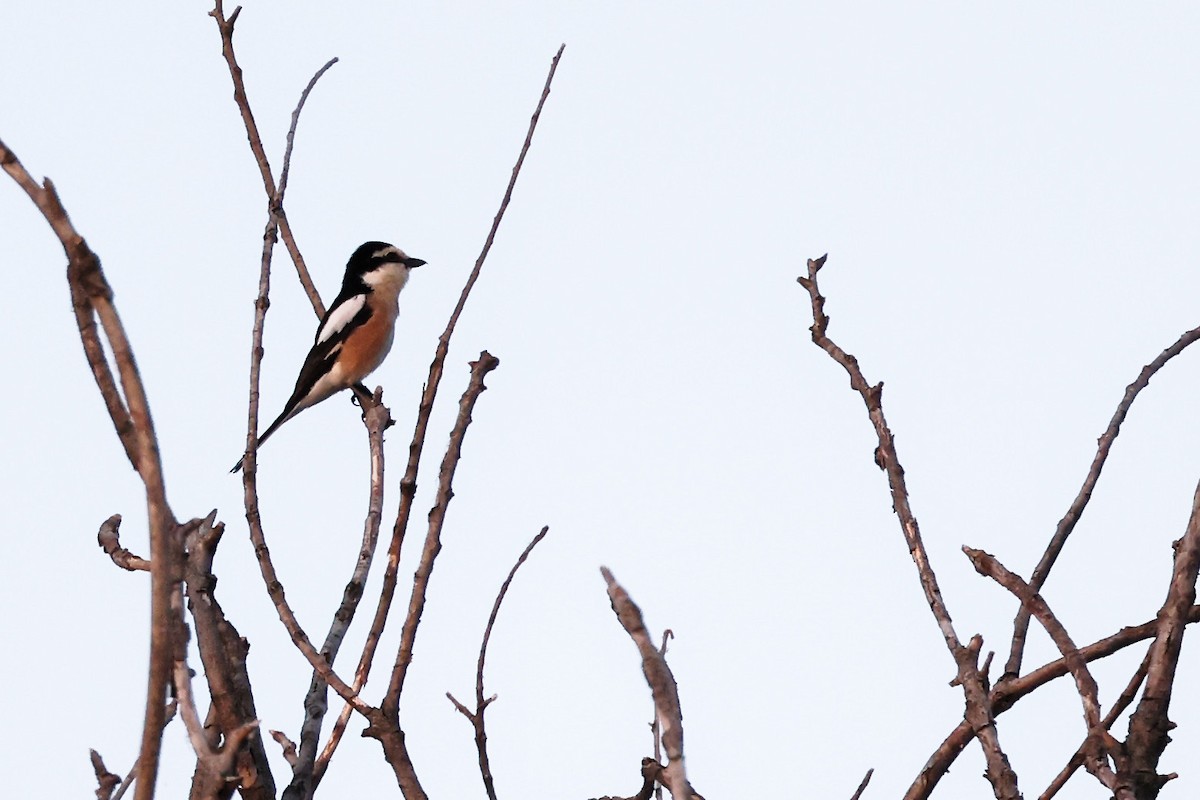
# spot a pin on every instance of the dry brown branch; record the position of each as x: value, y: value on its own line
x: 862, y: 787
x: 1122, y: 702
x: 224, y: 653
x: 106, y: 782
x: 655, y: 727
x: 481, y: 703
x: 109, y: 538
x: 225, y: 26
x: 1006, y: 695
x: 1100, y: 744
x: 978, y: 710
x: 214, y: 767
x: 651, y: 775
x: 275, y: 219
x: 249, y: 479
x: 47, y: 202
x: 91, y: 297
x: 1149, y: 725
x: 1067, y: 524
x: 385, y: 723
x: 662, y: 686
x: 287, y: 746
x: 433, y: 537
x: 408, y: 483
x: 316, y: 702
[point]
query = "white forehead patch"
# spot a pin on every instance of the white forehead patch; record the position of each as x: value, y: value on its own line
x: 340, y: 317
x: 390, y: 250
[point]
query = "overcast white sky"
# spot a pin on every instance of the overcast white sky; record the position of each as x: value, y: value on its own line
x: 1008, y: 194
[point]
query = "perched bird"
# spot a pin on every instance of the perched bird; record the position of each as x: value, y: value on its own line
x: 356, y: 332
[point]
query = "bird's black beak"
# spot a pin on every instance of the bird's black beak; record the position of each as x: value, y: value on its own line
x: 413, y: 263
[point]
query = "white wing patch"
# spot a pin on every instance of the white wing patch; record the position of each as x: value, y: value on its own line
x: 341, y: 317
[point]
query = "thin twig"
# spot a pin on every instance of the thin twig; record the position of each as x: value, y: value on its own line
x: 408, y: 483
x: 1122, y: 702
x: 1067, y: 524
x: 862, y: 787
x: 978, y: 708
x: 433, y: 537
x: 481, y: 703
x: 249, y: 479
x: 225, y: 26
x: 1100, y: 744
x: 316, y: 702
x: 1006, y: 695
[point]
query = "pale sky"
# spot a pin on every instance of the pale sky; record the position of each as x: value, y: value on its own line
x: 1008, y: 194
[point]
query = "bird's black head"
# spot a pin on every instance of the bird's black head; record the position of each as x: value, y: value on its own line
x: 378, y: 266
x: 373, y: 255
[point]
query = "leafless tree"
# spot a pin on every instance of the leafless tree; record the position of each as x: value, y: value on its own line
x: 228, y: 743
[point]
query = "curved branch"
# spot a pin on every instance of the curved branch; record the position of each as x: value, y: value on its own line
x: 1067, y: 524
x: 481, y: 703
x: 408, y: 483
x: 91, y: 297
x: 225, y: 26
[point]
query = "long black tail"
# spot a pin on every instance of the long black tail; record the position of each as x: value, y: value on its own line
x: 287, y: 414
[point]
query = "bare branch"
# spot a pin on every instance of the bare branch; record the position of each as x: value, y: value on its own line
x: 651, y: 775
x: 433, y: 538
x: 481, y: 703
x: 978, y: 708
x: 274, y: 197
x: 316, y: 702
x: 106, y: 782
x: 1149, y: 725
x: 1067, y: 524
x: 1006, y: 695
x: 1100, y: 744
x: 224, y: 652
x: 287, y: 746
x: 662, y: 686
x: 91, y: 297
x: 249, y: 479
x: 214, y: 766
x: 1122, y: 702
x: 655, y: 726
x: 109, y: 538
x: 862, y: 787
x: 275, y: 220
x: 885, y: 454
